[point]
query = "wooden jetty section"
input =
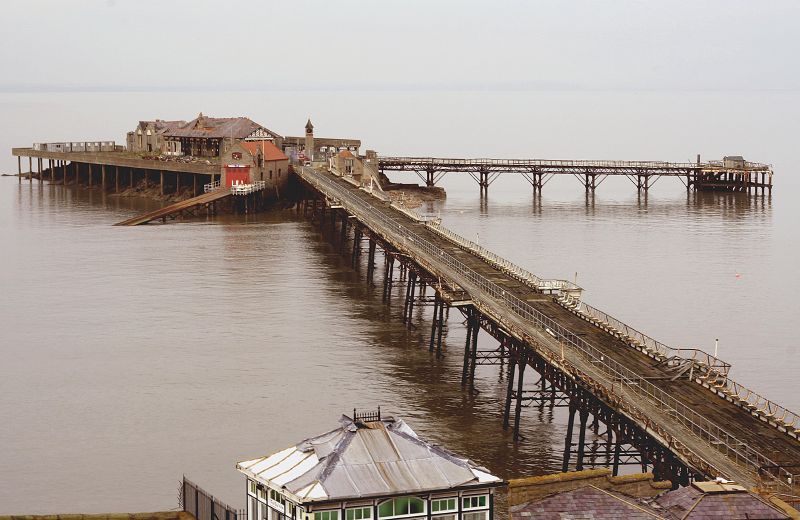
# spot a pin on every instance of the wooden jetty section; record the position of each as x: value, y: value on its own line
x: 194, y: 206
x: 676, y: 411
x: 731, y: 174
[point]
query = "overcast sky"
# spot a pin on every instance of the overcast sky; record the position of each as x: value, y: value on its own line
x: 385, y: 44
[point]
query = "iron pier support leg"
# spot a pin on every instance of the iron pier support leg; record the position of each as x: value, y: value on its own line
x: 356, y: 244
x: 465, y: 367
x: 52, y: 173
x: 116, y: 179
x: 30, y: 169
x: 434, y: 322
x: 568, y: 437
x: 161, y: 172
x: 19, y: 169
x: 391, y: 280
x: 371, y: 261
x: 39, y: 162
x: 583, y: 415
x: 512, y: 365
x: 386, y: 260
x: 518, y: 409
x: 413, y: 281
x: 343, y: 238
x: 407, y: 299
x: 89, y: 175
x: 617, y: 449
x: 103, y: 176
x: 177, y: 182
x: 474, y: 355
x: 442, y: 306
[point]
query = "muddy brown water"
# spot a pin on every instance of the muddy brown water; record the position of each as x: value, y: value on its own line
x: 131, y: 356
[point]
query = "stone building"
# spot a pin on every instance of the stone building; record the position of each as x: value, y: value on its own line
x: 309, y: 147
x: 201, y: 137
x: 148, y: 136
x: 263, y: 161
x: 368, y: 468
x: 204, y: 136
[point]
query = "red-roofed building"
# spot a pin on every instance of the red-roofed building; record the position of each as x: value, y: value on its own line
x: 261, y: 159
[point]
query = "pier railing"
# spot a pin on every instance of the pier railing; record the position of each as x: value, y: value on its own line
x: 454, y: 164
x: 618, y: 379
x: 564, y: 288
x: 211, y: 186
x: 645, y: 343
x: 246, y: 189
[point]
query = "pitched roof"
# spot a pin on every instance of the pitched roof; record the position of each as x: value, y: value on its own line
x: 588, y: 502
x: 700, y: 501
x: 363, y: 460
x: 346, y: 154
x: 270, y: 151
x: 218, y: 128
x: 162, y: 126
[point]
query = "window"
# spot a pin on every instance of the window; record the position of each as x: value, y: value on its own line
x: 262, y: 494
x: 403, y: 506
x: 451, y: 516
x: 326, y: 515
x: 279, y: 172
x: 359, y: 513
x: 475, y: 515
x: 252, y: 487
x: 475, y: 502
x: 444, y: 505
x: 277, y: 497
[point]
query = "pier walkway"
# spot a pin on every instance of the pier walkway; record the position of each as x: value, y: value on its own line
x: 180, y: 208
x: 709, y: 423
x: 731, y: 174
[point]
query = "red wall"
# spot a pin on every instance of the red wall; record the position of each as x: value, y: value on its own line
x: 237, y: 173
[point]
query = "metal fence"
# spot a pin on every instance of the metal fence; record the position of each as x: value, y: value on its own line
x: 617, y: 379
x: 195, y: 500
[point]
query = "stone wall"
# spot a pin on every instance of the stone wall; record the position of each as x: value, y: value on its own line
x: 521, y: 491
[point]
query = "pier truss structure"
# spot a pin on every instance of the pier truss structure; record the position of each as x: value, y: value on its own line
x: 734, y: 176
x: 630, y: 399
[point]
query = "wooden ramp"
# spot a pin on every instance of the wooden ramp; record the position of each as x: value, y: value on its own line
x: 173, y: 210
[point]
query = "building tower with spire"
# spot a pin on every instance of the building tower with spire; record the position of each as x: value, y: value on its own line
x: 309, y: 140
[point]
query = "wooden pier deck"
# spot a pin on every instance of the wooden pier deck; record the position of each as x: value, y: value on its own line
x: 706, y: 426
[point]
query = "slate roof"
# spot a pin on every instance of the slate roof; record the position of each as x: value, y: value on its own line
x: 370, y: 459
x: 692, y: 503
x: 270, y: 151
x: 162, y: 126
x: 218, y: 128
x: 585, y: 503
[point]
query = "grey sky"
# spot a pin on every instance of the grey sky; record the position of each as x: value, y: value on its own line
x: 204, y: 44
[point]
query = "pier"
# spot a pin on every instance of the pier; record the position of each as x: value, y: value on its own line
x: 676, y: 411
x: 109, y: 167
x: 732, y: 174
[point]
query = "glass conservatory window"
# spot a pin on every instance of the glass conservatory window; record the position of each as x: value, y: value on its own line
x: 475, y: 502
x: 359, y: 513
x: 402, y: 506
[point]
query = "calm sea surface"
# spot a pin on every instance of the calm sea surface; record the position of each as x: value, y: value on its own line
x: 131, y: 356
